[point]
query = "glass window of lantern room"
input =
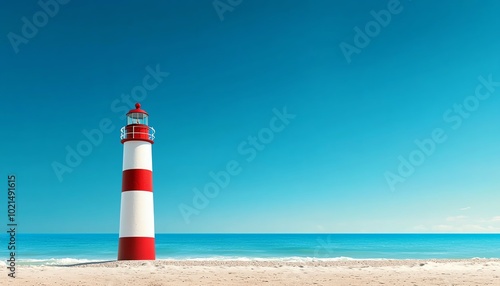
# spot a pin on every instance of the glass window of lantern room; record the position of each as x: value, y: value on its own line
x: 133, y: 118
x: 137, y: 118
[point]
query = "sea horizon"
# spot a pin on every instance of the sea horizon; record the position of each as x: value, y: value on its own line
x: 75, y: 248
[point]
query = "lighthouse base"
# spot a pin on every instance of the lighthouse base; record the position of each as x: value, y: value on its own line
x: 136, y: 248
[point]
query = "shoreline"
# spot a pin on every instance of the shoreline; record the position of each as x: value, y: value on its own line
x: 274, y: 262
x: 236, y: 272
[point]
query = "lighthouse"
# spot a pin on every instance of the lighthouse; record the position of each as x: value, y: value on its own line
x: 137, y: 233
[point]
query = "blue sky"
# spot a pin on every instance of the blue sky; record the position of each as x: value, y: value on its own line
x: 222, y: 75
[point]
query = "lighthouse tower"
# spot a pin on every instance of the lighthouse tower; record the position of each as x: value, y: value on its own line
x: 137, y: 233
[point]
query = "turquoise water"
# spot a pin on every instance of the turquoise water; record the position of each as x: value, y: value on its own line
x: 75, y: 248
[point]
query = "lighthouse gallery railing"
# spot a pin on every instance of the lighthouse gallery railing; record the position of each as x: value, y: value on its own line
x: 131, y: 134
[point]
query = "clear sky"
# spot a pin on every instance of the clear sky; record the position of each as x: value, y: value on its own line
x: 354, y: 89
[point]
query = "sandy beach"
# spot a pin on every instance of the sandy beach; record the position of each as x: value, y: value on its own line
x: 182, y: 272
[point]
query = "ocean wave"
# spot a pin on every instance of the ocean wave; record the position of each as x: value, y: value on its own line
x: 280, y: 259
x: 54, y: 261
x: 70, y: 261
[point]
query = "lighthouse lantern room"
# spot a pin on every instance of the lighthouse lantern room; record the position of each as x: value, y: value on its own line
x: 137, y: 126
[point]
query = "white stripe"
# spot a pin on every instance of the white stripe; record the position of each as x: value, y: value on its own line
x: 137, y: 214
x: 137, y: 155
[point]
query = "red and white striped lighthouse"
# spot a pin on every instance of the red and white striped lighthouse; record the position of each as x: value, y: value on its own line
x: 137, y: 233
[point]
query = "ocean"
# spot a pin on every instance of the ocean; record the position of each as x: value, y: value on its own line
x: 55, y: 249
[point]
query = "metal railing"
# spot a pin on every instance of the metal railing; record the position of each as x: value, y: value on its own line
x: 127, y: 134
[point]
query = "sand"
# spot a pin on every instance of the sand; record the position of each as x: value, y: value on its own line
x: 351, y: 272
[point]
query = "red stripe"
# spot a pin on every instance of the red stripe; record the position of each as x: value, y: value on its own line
x: 137, y: 180
x: 136, y: 248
